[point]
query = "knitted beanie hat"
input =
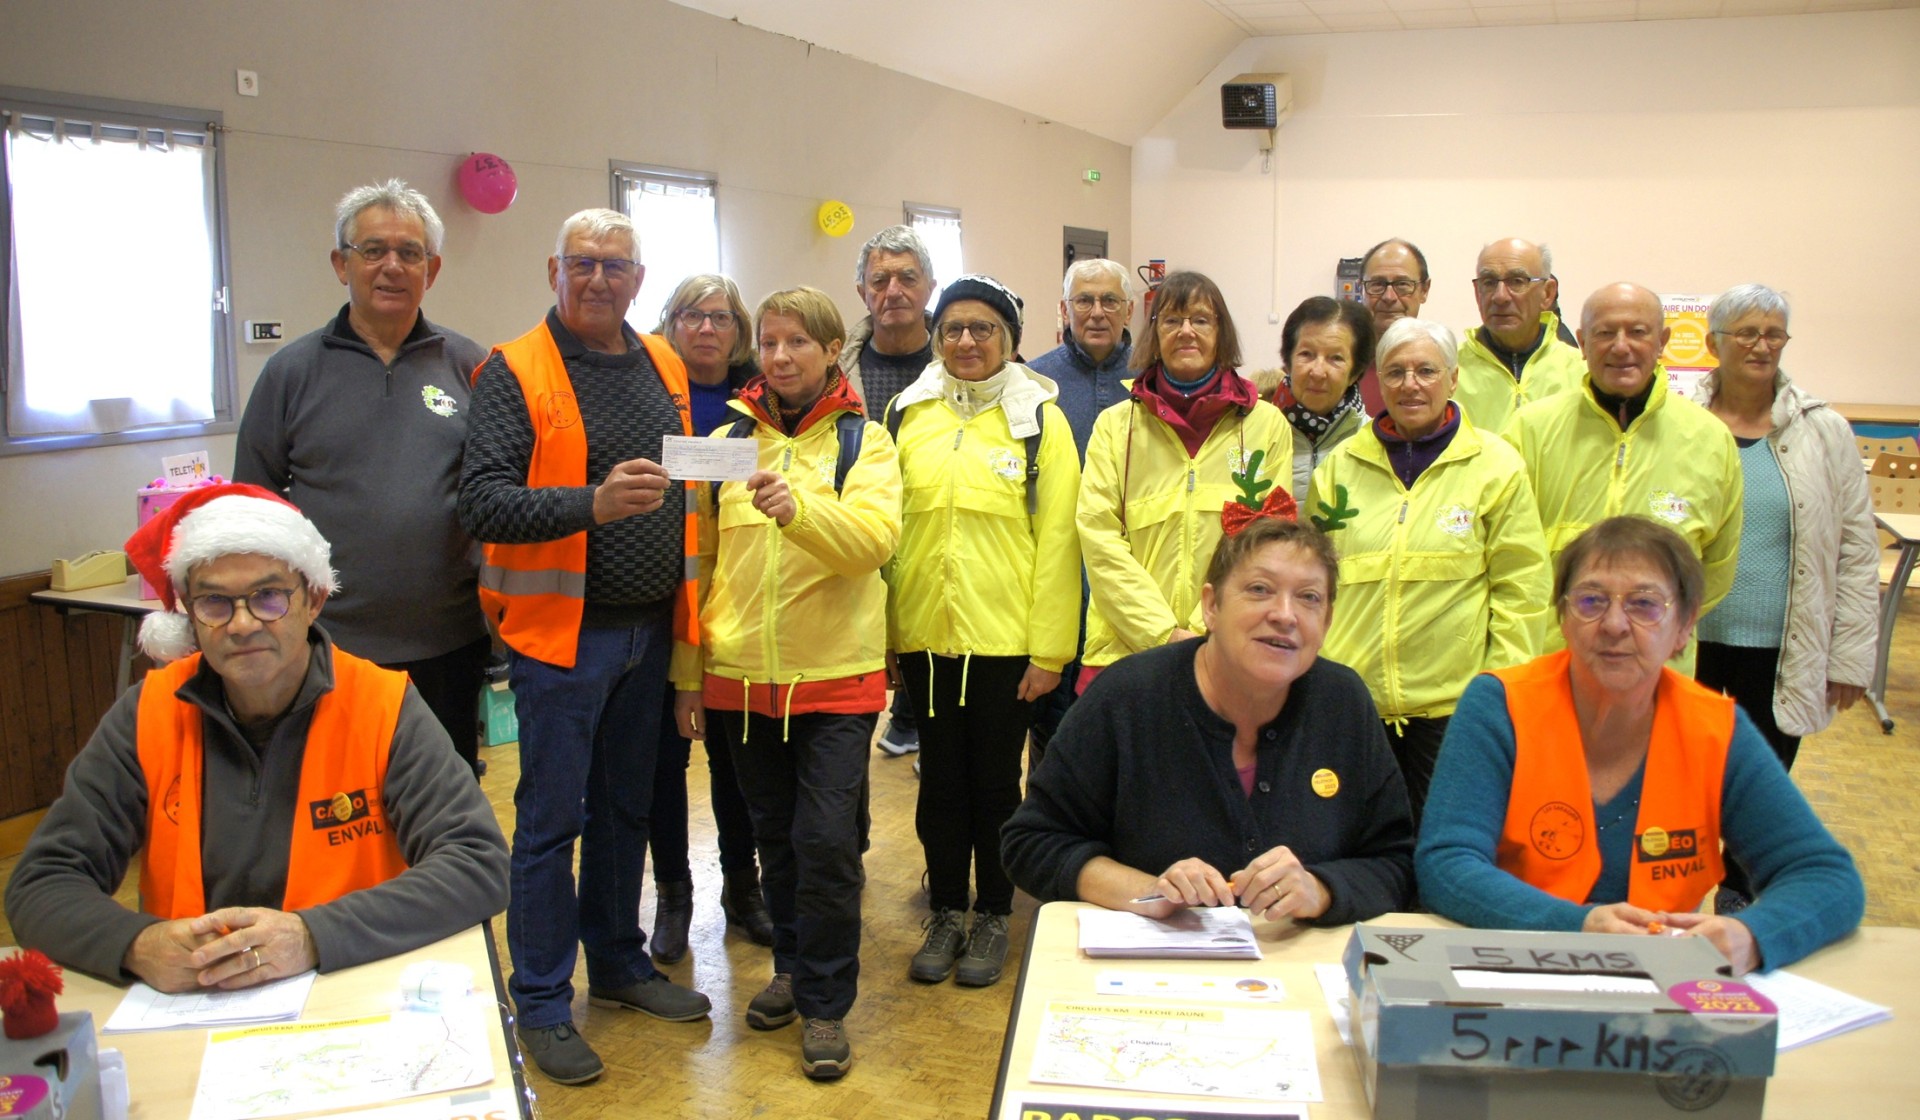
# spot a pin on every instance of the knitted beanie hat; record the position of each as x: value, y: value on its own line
x: 990, y: 292
x: 209, y: 522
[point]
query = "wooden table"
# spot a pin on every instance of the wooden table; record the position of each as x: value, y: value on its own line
x: 163, y: 1067
x: 1869, y: 1072
x: 1906, y: 528
x: 122, y: 599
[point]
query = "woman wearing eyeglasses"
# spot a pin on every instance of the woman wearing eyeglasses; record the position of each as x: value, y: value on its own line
x: 706, y: 321
x: 984, y: 604
x: 1162, y: 466
x: 1591, y: 789
x: 1794, y: 640
x: 1326, y: 348
x: 1443, y: 565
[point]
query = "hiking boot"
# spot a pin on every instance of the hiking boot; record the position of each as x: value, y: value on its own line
x: 560, y: 1053
x: 773, y: 1007
x: 745, y: 906
x: 672, y: 914
x: 657, y: 996
x: 986, y: 956
x: 825, y: 1052
x: 946, y: 937
x: 898, y: 740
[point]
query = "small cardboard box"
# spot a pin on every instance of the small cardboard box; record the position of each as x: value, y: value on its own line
x: 66, y: 1060
x: 1503, y: 1025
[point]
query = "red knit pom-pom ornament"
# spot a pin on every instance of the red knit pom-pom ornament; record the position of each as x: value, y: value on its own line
x: 28, y: 983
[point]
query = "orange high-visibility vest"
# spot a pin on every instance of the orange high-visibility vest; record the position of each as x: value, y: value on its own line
x: 343, y: 840
x: 1551, y: 839
x: 537, y: 593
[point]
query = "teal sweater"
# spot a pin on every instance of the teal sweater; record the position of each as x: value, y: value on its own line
x: 1809, y: 892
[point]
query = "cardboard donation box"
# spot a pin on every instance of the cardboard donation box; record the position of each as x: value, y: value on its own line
x: 1502, y: 1025
x: 55, y: 1076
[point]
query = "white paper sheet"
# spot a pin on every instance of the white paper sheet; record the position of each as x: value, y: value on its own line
x: 694, y: 459
x: 1333, y: 985
x: 144, y: 1009
x: 1811, y: 1011
x: 328, y: 1066
x: 1220, y: 932
x: 1259, y: 1053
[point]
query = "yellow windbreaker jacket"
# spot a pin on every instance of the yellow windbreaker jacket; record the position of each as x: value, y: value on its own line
x: 1150, y: 517
x: 1438, y: 583
x: 1676, y: 463
x: 975, y: 574
x: 803, y: 603
x: 1489, y: 394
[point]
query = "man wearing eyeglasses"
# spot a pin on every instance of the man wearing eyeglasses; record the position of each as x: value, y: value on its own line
x: 1395, y: 284
x: 1089, y: 368
x: 293, y: 806
x: 589, y: 574
x: 1091, y: 361
x: 360, y: 424
x: 1621, y: 443
x: 1515, y: 355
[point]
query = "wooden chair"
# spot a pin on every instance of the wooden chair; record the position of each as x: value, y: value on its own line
x: 1895, y: 484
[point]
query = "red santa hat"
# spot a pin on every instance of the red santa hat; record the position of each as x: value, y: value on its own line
x: 209, y: 522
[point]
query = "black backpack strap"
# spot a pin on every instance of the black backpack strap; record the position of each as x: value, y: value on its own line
x: 739, y: 429
x: 892, y: 419
x: 852, y: 430
x: 1033, y: 460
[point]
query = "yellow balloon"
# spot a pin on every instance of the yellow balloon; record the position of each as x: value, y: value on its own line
x: 835, y: 218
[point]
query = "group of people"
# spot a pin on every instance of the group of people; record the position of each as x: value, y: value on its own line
x: 1126, y: 554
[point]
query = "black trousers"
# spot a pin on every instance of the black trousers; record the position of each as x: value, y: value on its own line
x: 969, y: 772
x: 804, y: 793
x: 1416, y: 744
x: 668, y: 841
x: 450, y: 684
x: 1747, y: 674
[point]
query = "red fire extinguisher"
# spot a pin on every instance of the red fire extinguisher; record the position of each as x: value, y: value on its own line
x: 1151, y: 274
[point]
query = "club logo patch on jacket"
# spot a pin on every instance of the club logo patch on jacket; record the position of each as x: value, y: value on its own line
x: 1003, y: 462
x: 347, y: 815
x: 1455, y: 521
x: 1668, y: 506
x: 438, y: 401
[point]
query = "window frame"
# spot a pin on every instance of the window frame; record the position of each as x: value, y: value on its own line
x: 620, y: 173
x: 144, y: 116
x: 911, y: 210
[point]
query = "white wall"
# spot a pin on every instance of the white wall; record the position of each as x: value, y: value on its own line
x: 354, y: 90
x: 1688, y: 156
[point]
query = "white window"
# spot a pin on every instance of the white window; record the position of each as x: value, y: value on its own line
x: 678, y: 220
x: 939, y: 227
x: 116, y: 322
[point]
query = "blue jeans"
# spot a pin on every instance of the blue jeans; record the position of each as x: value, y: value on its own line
x: 589, y: 736
x: 805, y: 795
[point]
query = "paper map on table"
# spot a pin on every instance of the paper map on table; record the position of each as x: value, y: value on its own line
x: 1265, y: 1053
x: 343, y: 1063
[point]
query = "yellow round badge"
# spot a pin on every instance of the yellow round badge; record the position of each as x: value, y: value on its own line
x: 1326, y: 783
x: 1654, y: 841
x: 342, y: 806
x: 835, y: 218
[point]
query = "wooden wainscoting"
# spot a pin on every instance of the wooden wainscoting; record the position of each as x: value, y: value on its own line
x: 56, y: 680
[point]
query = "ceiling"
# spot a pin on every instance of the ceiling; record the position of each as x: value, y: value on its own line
x: 1009, y: 51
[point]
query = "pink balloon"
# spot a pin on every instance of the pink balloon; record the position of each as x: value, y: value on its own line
x: 487, y: 183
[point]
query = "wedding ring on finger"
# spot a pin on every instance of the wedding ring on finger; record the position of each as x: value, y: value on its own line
x: 256, y: 958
